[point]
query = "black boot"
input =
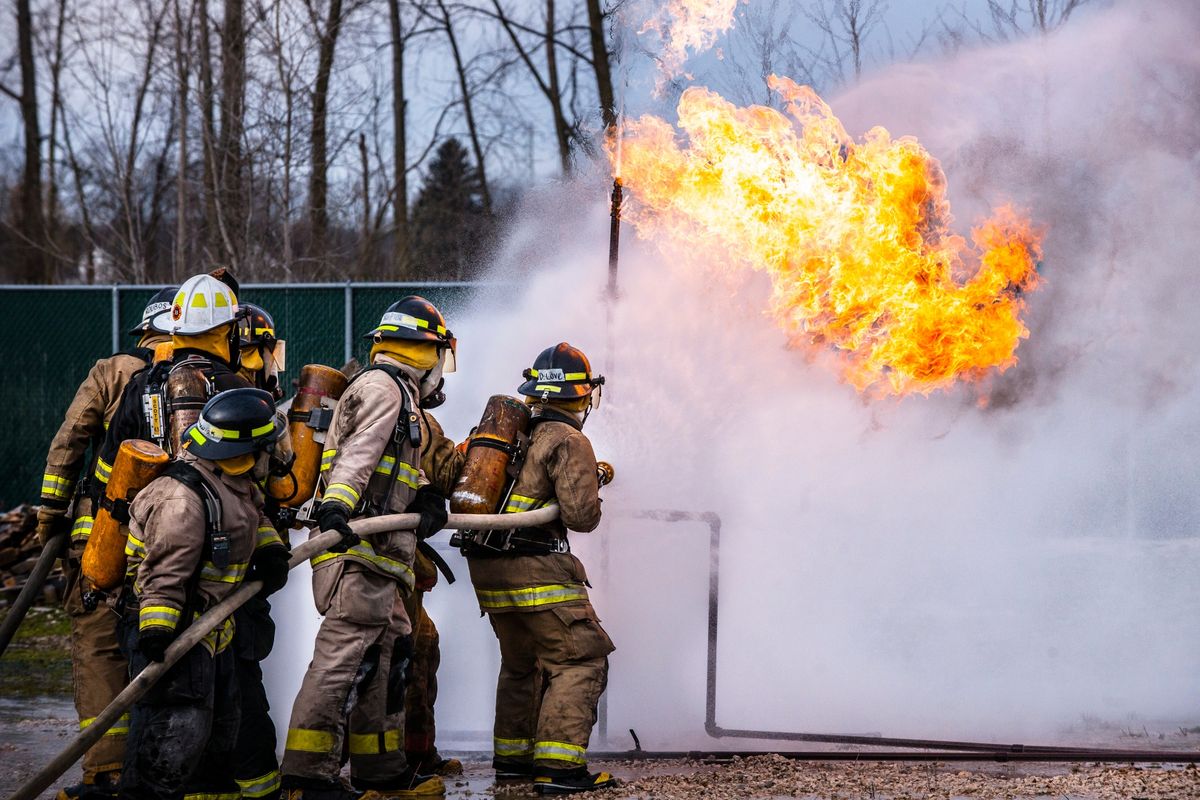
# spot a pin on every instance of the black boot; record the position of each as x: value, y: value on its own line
x: 508, y: 769
x: 570, y: 781
x: 102, y: 787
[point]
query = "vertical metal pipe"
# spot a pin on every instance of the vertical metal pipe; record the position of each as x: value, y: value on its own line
x: 348, y: 332
x: 614, y: 238
x: 116, y: 317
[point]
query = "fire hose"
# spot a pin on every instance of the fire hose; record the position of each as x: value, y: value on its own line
x: 33, y: 584
x: 204, y: 624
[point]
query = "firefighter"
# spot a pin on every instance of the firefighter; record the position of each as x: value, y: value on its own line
x: 97, y: 666
x: 261, y: 351
x: 553, y: 651
x: 420, y: 731
x: 195, y: 534
x: 204, y: 332
x: 255, y: 764
x: 384, y: 455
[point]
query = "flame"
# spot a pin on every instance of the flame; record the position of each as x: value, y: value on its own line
x: 855, y: 236
x: 688, y: 24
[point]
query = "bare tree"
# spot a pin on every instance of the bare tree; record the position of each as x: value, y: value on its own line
x: 761, y: 44
x: 1004, y: 21
x: 318, y: 179
x: 466, y: 97
x: 30, y: 224
x: 229, y: 165
x: 602, y: 66
x: 846, y: 26
x: 549, y: 86
x: 183, y: 48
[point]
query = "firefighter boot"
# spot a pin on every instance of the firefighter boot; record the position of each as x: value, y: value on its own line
x: 434, y: 764
x: 410, y: 784
x: 508, y: 769
x: 102, y: 787
x: 570, y: 781
x: 294, y: 788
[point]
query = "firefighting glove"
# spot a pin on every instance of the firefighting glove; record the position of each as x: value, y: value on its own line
x: 51, y: 522
x: 153, y: 643
x: 432, y: 508
x: 269, y: 565
x: 333, y: 516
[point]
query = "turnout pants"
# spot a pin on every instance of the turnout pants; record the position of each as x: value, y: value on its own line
x: 181, y: 734
x: 99, y: 671
x: 356, y: 676
x: 553, y: 669
x: 255, y: 767
x: 420, y: 731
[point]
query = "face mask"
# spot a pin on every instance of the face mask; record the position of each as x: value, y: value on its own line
x: 262, y: 467
x: 431, y: 382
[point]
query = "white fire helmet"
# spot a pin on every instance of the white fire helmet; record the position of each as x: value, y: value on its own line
x: 201, y: 304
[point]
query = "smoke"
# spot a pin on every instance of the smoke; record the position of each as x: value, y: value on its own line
x: 916, y: 567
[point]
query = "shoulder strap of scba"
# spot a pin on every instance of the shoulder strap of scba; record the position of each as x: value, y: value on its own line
x: 408, y: 423
x: 216, y: 539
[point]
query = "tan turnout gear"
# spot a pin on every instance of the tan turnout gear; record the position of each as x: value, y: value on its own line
x: 553, y: 650
x: 167, y: 539
x: 97, y: 666
x: 371, y: 470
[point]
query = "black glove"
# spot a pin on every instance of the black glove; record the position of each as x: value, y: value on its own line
x: 432, y: 508
x: 334, y: 516
x: 269, y: 565
x: 153, y: 643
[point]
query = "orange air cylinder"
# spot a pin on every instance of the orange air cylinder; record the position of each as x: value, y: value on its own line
x: 484, y: 476
x: 187, y: 392
x: 137, y: 463
x: 318, y: 390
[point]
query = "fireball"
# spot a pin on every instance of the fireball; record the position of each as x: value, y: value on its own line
x: 685, y: 25
x: 855, y: 236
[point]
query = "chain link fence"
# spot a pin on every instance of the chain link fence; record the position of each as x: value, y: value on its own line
x: 54, y: 334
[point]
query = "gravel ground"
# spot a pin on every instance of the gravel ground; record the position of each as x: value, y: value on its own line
x: 774, y: 776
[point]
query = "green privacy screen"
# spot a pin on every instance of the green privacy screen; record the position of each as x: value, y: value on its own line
x: 55, y: 334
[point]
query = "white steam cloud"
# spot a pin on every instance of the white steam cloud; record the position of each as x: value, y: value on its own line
x: 920, y: 567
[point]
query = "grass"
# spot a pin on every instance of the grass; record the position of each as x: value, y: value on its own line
x: 37, y: 661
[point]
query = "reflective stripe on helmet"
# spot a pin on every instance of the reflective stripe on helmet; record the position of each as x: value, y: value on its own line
x: 559, y: 375
x: 394, y: 320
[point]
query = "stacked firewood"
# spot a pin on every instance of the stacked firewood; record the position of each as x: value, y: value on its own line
x: 19, y: 551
